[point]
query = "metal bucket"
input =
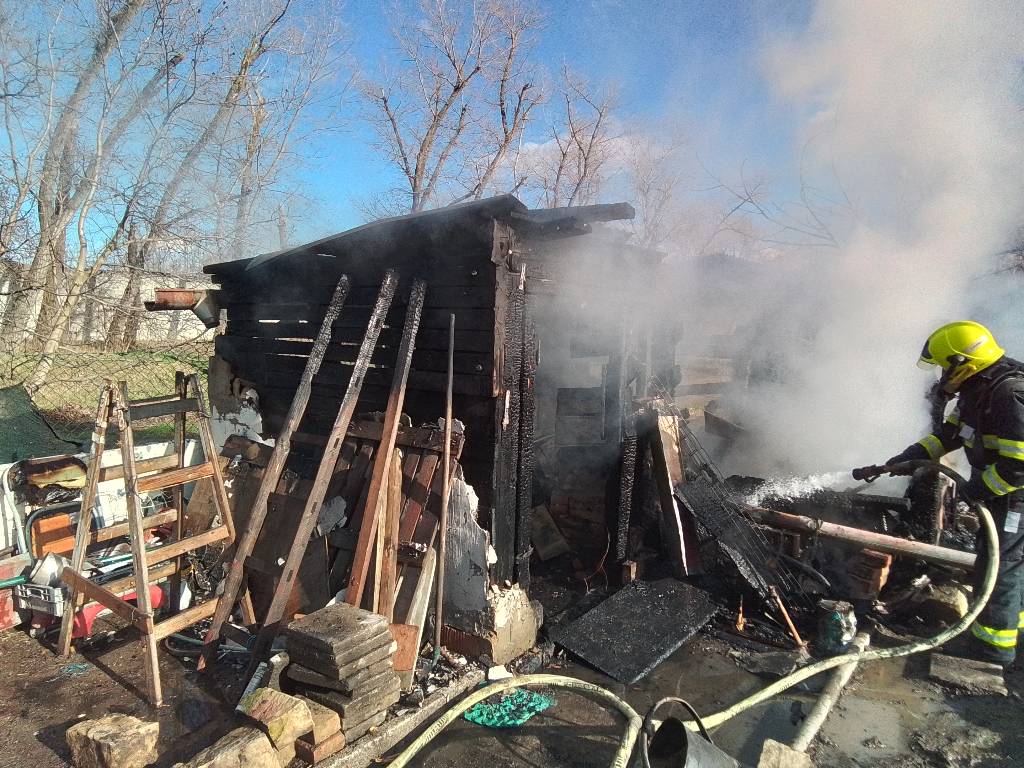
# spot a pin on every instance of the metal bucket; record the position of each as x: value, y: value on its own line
x: 676, y: 746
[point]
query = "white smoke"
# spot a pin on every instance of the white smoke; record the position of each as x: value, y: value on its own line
x: 912, y: 123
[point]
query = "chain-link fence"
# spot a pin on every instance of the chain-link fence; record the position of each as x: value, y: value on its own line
x: 67, y: 401
x: 109, y: 336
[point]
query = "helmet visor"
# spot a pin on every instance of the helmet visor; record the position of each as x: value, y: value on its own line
x: 926, y: 365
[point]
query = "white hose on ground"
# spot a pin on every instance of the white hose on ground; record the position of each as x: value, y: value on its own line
x: 622, y: 754
x: 829, y: 696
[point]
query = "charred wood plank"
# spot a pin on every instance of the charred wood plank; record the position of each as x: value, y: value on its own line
x: 367, y: 529
x: 271, y: 475
x: 322, y: 480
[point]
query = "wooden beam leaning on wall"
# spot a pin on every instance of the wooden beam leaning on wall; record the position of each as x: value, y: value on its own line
x: 389, y: 432
x: 235, y: 578
x: 679, y: 532
x: 325, y: 471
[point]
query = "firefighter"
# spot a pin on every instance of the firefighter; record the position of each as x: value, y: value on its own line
x: 988, y: 423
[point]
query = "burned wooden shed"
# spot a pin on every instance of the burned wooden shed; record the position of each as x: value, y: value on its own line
x: 537, y: 295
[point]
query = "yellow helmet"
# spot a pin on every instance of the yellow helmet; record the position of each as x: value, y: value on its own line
x: 961, y: 349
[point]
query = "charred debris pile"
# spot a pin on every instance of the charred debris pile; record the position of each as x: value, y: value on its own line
x: 450, y: 439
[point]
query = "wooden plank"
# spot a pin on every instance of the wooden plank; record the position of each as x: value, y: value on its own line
x: 434, y: 318
x: 389, y: 434
x: 389, y: 562
x: 281, y: 372
x: 178, y: 492
x: 172, y: 477
x: 98, y: 594
x: 679, y: 532
x: 141, y: 467
x: 99, y: 438
x: 324, y: 473
x: 125, y: 583
x: 136, y: 538
x: 220, y: 496
x: 237, y: 348
x: 418, y: 495
x: 272, y: 474
x: 189, y: 543
x: 123, y: 529
x: 427, y: 438
x: 186, y: 618
x: 481, y: 342
x: 165, y: 408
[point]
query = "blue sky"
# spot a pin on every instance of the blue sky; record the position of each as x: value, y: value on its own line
x: 696, y: 64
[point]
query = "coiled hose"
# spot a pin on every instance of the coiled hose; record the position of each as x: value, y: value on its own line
x: 634, y: 722
x: 622, y: 754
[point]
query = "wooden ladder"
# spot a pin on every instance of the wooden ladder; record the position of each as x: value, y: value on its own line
x: 159, y: 562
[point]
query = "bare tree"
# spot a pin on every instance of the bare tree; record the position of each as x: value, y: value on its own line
x: 570, y: 167
x: 463, y: 66
x: 656, y: 173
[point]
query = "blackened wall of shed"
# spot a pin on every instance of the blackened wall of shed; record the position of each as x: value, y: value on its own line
x: 274, y: 307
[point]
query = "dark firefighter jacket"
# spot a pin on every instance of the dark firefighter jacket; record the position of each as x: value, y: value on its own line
x: 988, y: 423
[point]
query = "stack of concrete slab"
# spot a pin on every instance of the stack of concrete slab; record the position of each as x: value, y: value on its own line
x: 341, y: 657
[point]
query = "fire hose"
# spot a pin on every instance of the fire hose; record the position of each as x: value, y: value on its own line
x: 634, y: 722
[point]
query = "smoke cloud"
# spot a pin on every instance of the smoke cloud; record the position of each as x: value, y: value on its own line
x: 910, y: 156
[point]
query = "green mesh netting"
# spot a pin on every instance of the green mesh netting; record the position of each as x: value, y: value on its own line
x: 509, y: 711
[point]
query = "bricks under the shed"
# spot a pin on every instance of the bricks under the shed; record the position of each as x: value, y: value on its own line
x: 302, y: 674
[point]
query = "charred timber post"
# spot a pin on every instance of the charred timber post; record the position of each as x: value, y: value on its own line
x: 272, y: 474
x: 527, y: 415
x: 389, y: 432
x: 324, y: 473
x: 446, y: 490
x: 867, y: 539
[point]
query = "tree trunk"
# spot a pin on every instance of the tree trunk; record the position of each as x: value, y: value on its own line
x: 53, y: 339
x: 119, y: 321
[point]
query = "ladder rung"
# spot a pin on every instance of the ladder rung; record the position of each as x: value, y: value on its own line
x: 173, y: 477
x: 139, y: 411
x: 105, y: 597
x: 122, y: 529
x: 186, y: 618
x: 141, y: 467
x: 125, y: 583
x: 187, y: 544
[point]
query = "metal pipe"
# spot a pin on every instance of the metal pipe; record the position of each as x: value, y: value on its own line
x: 202, y: 303
x: 446, y: 487
x: 867, y: 539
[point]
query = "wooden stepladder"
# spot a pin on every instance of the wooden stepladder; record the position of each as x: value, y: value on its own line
x: 148, y: 564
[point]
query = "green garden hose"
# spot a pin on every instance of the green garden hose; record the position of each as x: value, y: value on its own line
x: 622, y: 754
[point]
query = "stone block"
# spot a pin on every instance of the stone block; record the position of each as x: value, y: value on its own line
x: 335, y: 628
x: 245, y: 747
x: 282, y: 717
x: 326, y: 722
x: 777, y: 755
x: 359, y: 730
x: 114, y: 741
x: 303, y: 674
x: 969, y: 675
x: 349, y: 663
